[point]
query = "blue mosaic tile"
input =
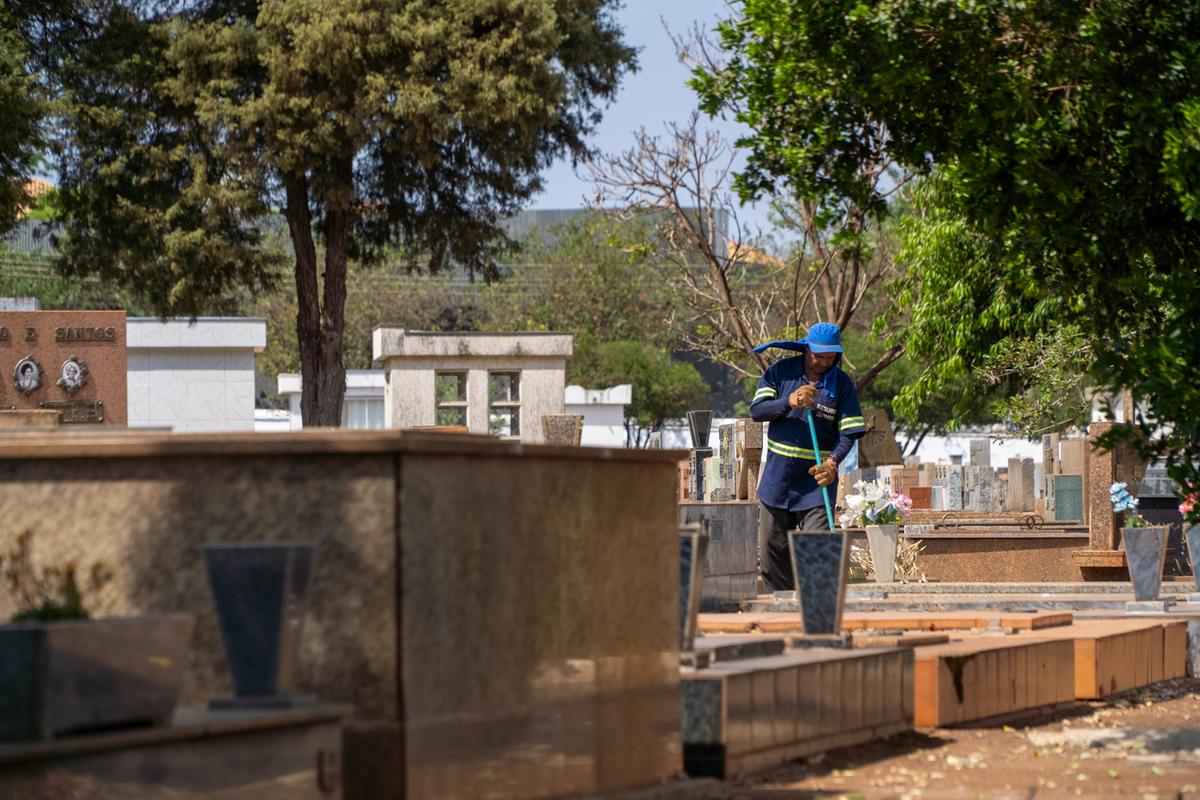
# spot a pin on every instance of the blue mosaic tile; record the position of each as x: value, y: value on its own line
x: 819, y: 561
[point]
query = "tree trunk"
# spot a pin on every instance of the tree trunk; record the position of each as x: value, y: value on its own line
x: 333, y: 308
x: 891, y: 354
x: 319, y: 322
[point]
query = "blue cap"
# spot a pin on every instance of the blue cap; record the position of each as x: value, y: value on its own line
x: 824, y: 337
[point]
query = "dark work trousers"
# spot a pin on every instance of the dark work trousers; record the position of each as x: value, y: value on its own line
x: 776, y: 563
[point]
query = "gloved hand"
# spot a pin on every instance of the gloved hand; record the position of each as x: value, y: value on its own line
x: 803, y: 397
x: 825, y: 473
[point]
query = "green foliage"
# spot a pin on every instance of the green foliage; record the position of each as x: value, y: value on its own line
x: 49, y: 594
x: 1060, y: 145
x: 587, y: 278
x: 22, y: 108
x: 24, y: 275
x: 393, y: 122
x: 663, y: 388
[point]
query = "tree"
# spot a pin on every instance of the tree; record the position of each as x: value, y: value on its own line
x: 587, y: 278
x: 22, y: 107
x: 1059, y: 144
x: 662, y: 387
x: 367, y: 123
x: 735, y: 294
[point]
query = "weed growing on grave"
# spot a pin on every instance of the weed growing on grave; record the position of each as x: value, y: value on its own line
x: 907, y: 571
x: 51, y: 593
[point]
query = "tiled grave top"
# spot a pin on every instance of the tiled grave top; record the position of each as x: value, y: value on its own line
x: 791, y: 658
x: 132, y: 443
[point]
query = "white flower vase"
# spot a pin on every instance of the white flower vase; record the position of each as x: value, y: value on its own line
x: 884, y: 541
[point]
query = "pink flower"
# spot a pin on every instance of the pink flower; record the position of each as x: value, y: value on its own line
x: 902, y: 502
x: 1188, y: 504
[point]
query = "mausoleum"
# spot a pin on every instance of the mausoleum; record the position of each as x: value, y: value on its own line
x: 492, y: 383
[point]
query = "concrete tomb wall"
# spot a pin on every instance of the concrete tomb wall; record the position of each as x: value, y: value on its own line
x: 504, y: 619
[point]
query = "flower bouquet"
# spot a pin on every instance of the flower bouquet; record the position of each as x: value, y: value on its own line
x: 880, y: 512
x: 873, y: 505
x: 1125, y: 503
x: 1190, y: 510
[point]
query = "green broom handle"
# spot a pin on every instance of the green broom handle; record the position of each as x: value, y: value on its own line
x: 812, y: 429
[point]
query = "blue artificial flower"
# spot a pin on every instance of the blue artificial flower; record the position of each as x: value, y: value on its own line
x: 1122, y: 500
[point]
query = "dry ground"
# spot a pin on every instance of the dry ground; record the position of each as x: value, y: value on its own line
x: 1145, y: 744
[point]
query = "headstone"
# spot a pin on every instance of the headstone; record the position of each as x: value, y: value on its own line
x: 999, y: 495
x: 562, y: 429
x: 1072, y: 456
x: 696, y: 472
x: 938, y: 498
x: 905, y: 478
x: 922, y: 497
x: 954, y: 488
x: 884, y: 476
x: 1049, y: 470
x: 1020, y: 485
x: 728, y: 460
x: 71, y: 362
x: 748, y: 438
x: 713, y: 489
x: 981, y: 453
x: 976, y: 488
x: 699, y: 425
x: 1068, y: 498
x: 878, y: 445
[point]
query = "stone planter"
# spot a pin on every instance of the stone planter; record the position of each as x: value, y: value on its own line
x: 260, y: 590
x: 88, y: 675
x: 884, y: 541
x: 820, y: 562
x: 1191, y: 534
x: 693, y: 545
x: 699, y: 426
x: 1145, y: 553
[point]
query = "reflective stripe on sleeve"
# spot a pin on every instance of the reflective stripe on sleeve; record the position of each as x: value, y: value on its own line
x: 765, y: 393
x: 851, y: 422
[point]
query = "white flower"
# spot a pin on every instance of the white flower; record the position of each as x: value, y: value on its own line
x: 874, y: 492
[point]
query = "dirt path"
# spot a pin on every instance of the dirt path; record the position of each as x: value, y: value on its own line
x: 1145, y: 745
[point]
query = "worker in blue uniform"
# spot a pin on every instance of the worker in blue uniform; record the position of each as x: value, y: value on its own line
x: 790, y: 488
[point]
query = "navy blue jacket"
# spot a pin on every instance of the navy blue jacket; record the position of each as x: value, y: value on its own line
x: 837, y: 417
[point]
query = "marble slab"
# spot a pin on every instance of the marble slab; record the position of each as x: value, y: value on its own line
x: 981, y: 453
x: 1068, y: 497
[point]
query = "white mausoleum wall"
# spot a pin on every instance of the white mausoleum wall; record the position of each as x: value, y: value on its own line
x: 193, y: 377
x: 410, y: 394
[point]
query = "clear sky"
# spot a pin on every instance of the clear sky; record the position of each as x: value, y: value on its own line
x: 649, y: 98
